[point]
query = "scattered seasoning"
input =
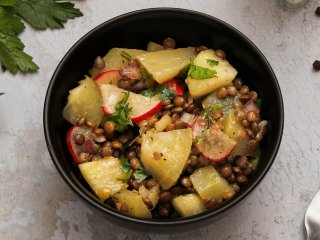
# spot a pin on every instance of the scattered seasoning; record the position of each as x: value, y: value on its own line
x: 318, y: 11
x: 316, y: 64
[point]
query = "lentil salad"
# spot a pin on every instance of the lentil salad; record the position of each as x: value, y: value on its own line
x: 178, y: 133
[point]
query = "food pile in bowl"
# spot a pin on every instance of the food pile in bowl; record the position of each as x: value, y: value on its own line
x: 164, y: 132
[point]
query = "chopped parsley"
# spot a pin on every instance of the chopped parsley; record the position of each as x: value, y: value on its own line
x: 196, y: 140
x: 163, y: 91
x: 125, y: 167
x: 144, y: 74
x: 140, y: 174
x: 126, y: 55
x: 212, y: 62
x: 259, y: 102
x: 199, y: 73
x: 208, y: 111
x: 121, y: 117
x: 255, y: 161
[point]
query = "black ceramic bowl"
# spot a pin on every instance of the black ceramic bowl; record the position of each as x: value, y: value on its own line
x: 134, y: 30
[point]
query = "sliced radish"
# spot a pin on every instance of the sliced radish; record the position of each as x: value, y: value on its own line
x: 175, y: 85
x: 76, y: 149
x: 188, y: 118
x: 198, y: 127
x: 108, y: 77
x: 142, y: 107
x: 215, y: 145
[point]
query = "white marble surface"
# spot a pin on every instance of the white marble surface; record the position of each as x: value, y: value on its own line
x: 37, y: 204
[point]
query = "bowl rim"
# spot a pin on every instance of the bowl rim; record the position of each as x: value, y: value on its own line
x: 154, y: 222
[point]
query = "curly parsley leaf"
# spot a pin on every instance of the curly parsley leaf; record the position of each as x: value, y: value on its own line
x: 164, y: 92
x: 7, y: 3
x: 42, y: 14
x: 12, y: 56
x: 121, y: 117
x: 199, y: 73
x: 212, y: 62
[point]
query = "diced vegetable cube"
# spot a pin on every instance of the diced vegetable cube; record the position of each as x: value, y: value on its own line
x: 114, y: 61
x: 84, y: 101
x: 225, y: 73
x: 164, y: 65
x: 104, y: 176
x: 209, y: 184
x: 134, y: 203
x: 162, y: 123
x: 188, y: 205
x: 164, y: 154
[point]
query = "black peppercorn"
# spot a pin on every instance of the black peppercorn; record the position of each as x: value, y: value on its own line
x: 318, y: 11
x: 316, y: 65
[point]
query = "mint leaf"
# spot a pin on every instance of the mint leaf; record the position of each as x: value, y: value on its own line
x: 199, y: 73
x: 12, y: 56
x: 42, y: 14
x: 121, y: 117
x: 212, y: 62
x: 10, y: 24
x: 7, y: 3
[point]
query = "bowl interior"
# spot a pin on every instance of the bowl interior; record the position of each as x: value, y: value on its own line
x: 134, y: 30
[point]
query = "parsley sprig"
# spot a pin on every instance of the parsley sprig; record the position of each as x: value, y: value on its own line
x: 139, y: 175
x: 164, y: 92
x: 40, y: 14
x: 199, y: 73
x: 121, y: 116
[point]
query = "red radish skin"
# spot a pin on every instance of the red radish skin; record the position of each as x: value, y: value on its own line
x: 70, y: 147
x: 142, y: 107
x: 175, y: 85
x: 153, y: 111
x: 73, y: 148
x: 107, y: 77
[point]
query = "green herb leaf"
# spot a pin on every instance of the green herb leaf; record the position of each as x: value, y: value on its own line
x: 208, y: 111
x: 121, y: 117
x: 212, y: 62
x: 9, y: 23
x: 259, y: 102
x: 126, y: 56
x: 255, y: 162
x: 140, y: 174
x: 12, y: 56
x: 199, y: 73
x: 42, y: 14
x: 145, y: 75
x: 7, y: 3
x: 163, y: 91
x: 125, y: 165
x: 197, y: 140
x: 1, y: 93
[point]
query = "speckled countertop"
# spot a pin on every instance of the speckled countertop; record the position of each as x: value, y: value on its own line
x: 35, y: 203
